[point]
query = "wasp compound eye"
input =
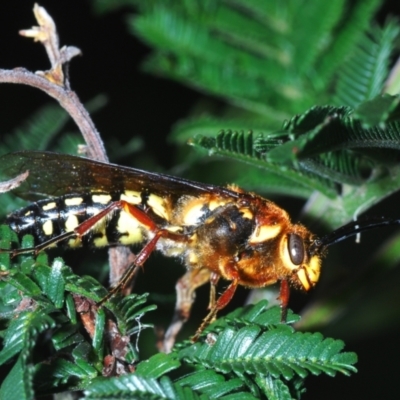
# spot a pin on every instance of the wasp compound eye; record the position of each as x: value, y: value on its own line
x: 296, y: 249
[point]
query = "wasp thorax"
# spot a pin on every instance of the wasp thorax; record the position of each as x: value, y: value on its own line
x: 225, y: 230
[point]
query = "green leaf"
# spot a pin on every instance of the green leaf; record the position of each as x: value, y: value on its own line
x: 7, y: 236
x: 130, y: 386
x: 24, y: 284
x: 255, y: 66
x: 56, y: 284
x: 378, y: 110
x: 256, y: 314
x: 240, y: 148
x: 71, y: 311
x: 273, y: 388
x: 129, y: 310
x: 23, y: 331
x: 210, y: 383
x: 356, y: 18
x: 38, y: 131
x: 18, y: 384
x: 63, y: 371
x: 98, y: 336
x: 279, y: 352
x: 66, y: 336
x: 85, y: 286
x: 157, y: 365
x: 363, y: 75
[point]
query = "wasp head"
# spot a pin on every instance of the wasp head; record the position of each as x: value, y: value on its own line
x: 302, y: 266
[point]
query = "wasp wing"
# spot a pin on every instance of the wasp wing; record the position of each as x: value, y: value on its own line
x: 54, y: 174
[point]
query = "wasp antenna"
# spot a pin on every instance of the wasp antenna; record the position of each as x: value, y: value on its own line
x: 350, y: 229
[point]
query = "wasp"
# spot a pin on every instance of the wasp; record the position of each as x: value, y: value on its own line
x: 216, y: 232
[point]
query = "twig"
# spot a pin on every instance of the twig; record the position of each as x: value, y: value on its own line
x: 6, y: 186
x: 55, y: 83
x: 68, y: 100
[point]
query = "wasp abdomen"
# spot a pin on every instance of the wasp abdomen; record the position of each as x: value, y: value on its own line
x: 47, y: 219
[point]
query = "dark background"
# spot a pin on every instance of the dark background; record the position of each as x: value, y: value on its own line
x: 139, y: 104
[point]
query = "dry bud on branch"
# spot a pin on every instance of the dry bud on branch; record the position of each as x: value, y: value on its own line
x: 46, y: 33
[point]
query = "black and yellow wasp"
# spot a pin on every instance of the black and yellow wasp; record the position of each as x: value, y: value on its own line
x: 216, y: 232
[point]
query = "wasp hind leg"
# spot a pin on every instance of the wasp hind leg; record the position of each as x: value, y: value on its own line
x: 222, y: 302
x: 140, y: 259
x: 42, y: 246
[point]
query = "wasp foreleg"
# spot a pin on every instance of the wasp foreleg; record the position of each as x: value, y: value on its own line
x: 284, y: 294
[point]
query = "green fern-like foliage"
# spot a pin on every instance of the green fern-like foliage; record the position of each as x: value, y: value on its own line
x: 263, y: 355
x: 262, y: 59
x: 285, y: 62
x: 47, y: 295
x: 248, y: 354
x: 322, y: 150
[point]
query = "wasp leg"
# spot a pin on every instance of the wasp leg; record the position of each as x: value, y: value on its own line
x: 185, y: 295
x: 214, y: 278
x: 41, y: 246
x: 140, y: 259
x: 284, y: 294
x: 222, y: 302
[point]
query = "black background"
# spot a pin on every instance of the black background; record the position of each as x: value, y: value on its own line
x: 138, y: 104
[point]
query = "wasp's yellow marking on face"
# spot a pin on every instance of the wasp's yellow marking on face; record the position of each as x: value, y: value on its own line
x: 301, y: 274
x: 49, y: 206
x: 158, y: 205
x: 27, y: 214
x: 314, y: 270
x: 131, y: 197
x: 284, y: 254
x: 101, y: 198
x: 73, y: 201
x: 129, y: 228
x: 71, y: 223
x: 48, y: 227
x: 264, y: 232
